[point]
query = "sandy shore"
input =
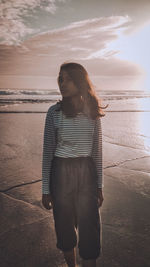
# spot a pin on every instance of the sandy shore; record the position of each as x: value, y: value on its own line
x: 27, y: 229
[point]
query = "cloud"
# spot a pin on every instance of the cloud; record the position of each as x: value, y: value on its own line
x: 22, y: 18
x: 77, y: 40
x: 137, y: 10
x: 13, y: 14
x: 112, y: 67
x: 83, y: 37
x: 43, y: 54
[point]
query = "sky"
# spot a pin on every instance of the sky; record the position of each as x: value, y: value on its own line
x: 110, y: 38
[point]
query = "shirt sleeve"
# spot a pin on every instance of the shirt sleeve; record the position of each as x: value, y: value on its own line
x: 97, y: 153
x: 49, y: 146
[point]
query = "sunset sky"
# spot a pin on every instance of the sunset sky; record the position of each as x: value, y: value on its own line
x: 111, y: 38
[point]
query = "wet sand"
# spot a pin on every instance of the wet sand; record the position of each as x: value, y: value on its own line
x: 27, y: 229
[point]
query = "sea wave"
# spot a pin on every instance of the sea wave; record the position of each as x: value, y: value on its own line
x: 13, y: 96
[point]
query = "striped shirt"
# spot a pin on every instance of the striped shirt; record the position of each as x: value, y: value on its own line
x: 65, y: 137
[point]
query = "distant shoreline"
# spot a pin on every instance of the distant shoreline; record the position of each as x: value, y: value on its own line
x: 19, y: 96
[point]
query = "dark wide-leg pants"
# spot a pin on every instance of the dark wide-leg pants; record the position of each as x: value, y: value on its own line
x: 75, y: 197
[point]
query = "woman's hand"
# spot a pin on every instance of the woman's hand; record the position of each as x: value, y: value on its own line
x: 47, y: 201
x: 100, y: 197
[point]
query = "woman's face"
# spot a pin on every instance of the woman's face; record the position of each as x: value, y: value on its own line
x: 66, y: 85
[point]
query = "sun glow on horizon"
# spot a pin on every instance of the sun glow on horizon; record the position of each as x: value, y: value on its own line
x: 134, y: 48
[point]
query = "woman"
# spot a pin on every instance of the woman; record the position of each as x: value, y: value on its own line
x: 72, y: 171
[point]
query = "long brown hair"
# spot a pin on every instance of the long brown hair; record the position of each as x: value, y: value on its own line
x: 88, y: 103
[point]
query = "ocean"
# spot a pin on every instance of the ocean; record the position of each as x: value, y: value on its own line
x: 18, y: 96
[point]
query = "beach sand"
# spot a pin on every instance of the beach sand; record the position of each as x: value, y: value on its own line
x: 27, y: 229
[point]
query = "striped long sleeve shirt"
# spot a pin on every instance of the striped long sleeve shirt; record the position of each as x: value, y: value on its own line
x: 70, y: 137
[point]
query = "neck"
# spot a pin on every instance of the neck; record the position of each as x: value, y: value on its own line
x: 74, y: 100
x: 72, y: 105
